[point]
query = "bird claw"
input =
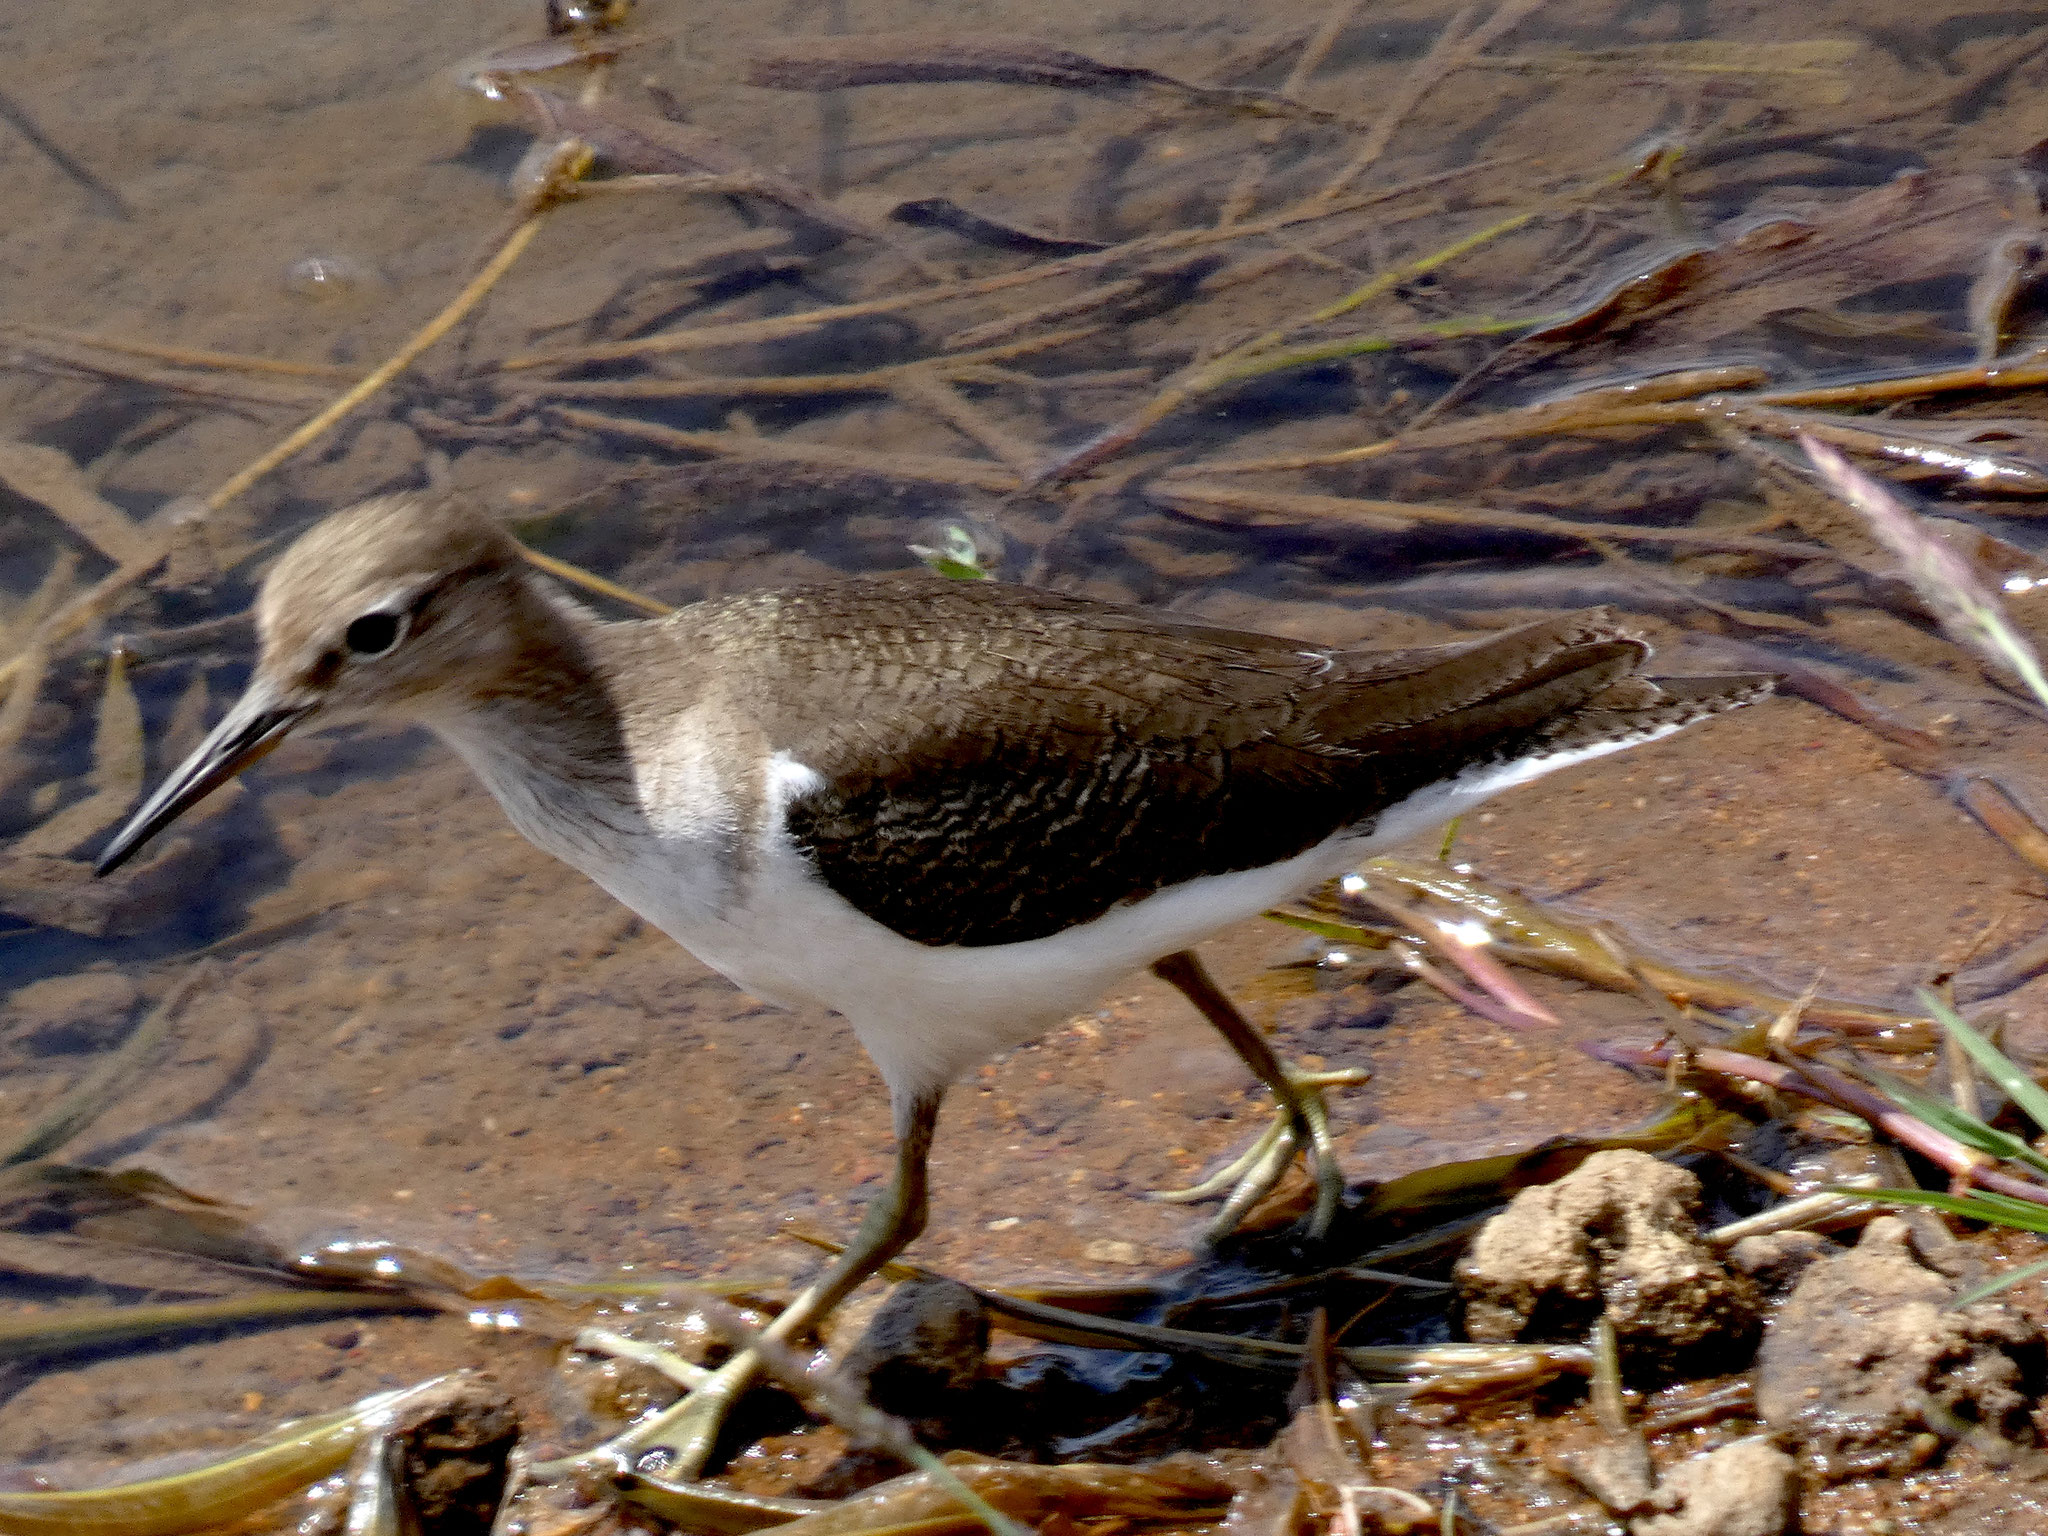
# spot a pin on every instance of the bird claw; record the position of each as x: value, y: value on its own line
x: 675, y: 1443
x: 1254, y: 1173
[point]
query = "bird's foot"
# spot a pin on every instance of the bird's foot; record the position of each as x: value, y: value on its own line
x: 1254, y: 1173
x: 675, y: 1443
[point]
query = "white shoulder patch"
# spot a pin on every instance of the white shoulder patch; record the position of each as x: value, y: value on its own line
x: 787, y: 780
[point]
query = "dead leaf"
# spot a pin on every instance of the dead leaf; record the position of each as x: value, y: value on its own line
x: 48, y: 477
x: 1918, y: 225
x: 117, y: 772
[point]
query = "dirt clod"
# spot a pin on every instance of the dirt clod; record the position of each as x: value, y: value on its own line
x: 454, y: 1459
x: 1618, y: 1236
x: 1618, y: 1474
x: 925, y: 1345
x: 1743, y: 1489
x: 1776, y: 1260
x: 1869, y: 1358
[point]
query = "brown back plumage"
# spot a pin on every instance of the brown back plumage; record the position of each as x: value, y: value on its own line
x: 1001, y: 763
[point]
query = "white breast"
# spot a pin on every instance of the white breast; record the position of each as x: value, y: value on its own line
x: 759, y: 914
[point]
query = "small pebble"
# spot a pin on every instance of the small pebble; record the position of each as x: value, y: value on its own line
x: 1110, y: 1250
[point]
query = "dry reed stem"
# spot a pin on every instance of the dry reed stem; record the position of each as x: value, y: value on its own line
x: 1268, y: 353
x: 974, y: 473
x: 1395, y: 515
x: 1529, y: 420
x: 2027, y: 373
x: 590, y: 581
x: 1244, y: 188
x: 1098, y: 297
x: 256, y: 391
x: 1457, y: 46
x: 48, y: 477
x: 1611, y: 412
x: 782, y: 327
x: 883, y: 378
x: 929, y: 389
x: 49, y: 592
x: 185, y: 357
x: 81, y: 610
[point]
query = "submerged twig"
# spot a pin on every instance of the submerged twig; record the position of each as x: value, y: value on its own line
x: 866, y: 1423
x: 1397, y: 515
x: 104, y: 1082
x: 782, y: 327
x: 218, y: 1493
x: 884, y: 377
x: 1458, y: 45
x: 183, y: 357
x: 837, y: 63
x: 49, y: 477
x: 106, y: 202
x: 846, y: 461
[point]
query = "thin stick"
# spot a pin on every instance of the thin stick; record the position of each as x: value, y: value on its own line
x: 265, y: 394
x: 781, y: 327
x: 590, y: 581
x: 2026, y: 374
x: 185, y: 357
x: 1405, y: 97
x: 1244, y: 190
x: 929, y: 389
x: 1263, y: 354
x: 1098, y: 297
x: 745, y: 445
x: 1393, y: 515
x: 1455, y: 48
x: 1530, y: 420
x: 885, y: 377
x: 89, y: 604
x: 471, y: 295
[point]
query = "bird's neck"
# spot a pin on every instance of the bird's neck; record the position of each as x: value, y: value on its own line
x: 543, y: 731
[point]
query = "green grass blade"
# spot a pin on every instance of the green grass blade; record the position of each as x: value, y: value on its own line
x: 1996, y: 1065
x: 1938, y: 1112
x: 1985, y: 1289
x: 1999, y: 1210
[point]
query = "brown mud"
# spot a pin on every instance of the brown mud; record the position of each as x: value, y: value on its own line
x: 415, y: 1027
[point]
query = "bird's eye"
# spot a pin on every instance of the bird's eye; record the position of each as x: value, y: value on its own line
x: 374, y: 633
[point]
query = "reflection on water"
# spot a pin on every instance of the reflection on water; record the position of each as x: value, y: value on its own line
x: 1292, y: 318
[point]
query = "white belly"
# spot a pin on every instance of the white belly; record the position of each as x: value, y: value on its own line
x: 927, y: 1013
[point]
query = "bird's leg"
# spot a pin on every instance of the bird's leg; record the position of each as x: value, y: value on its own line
x: 677, y: 1442
x: 1300, y: 1118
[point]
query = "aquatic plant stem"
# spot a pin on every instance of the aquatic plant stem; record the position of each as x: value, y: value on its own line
x: 452, y: 315
x: 95, y: 600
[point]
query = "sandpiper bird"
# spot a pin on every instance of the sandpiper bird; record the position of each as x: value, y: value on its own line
x: 955, y: 812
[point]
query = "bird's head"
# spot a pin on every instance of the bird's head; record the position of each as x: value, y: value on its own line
x: 392, y: 607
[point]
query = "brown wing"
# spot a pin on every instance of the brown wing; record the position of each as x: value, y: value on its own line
x: 1001, y: 763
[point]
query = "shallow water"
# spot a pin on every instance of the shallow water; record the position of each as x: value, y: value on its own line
x: 414, y: 1026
